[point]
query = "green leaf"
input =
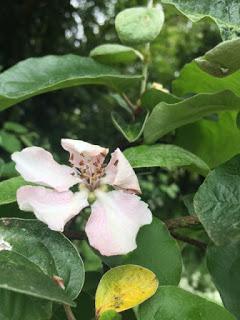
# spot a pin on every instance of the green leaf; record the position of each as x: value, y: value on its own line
x: 157, y: 251
x: 209, y: 139
x: 153, y: 96
x: 39, y: 75
x: 17, y: 306
x: 163, y: 155
x: 110, y: 315
x: 139, y: 25
x: 115, y: 54
x: 15, y: 127
x: 9, y: 142
x: 168, y: 117
x: 224, y: 265
x: 222, y: 60
x: 172, y: 303
x: 8, y: 189
x: 225, y: 13
x: 124, y: 287
x: 51, y: 251
x: 20, y: 275
x: 131, y: 131
x: 193, y: 80
x: 217, y: 204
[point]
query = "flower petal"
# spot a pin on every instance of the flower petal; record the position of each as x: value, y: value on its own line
x: 79, y: 148
x: 115, y: 221
x: 120, y: 174
x: 51, y: 207
x: 37, y: 165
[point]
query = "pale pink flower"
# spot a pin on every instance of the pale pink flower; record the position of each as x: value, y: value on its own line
x: 116, y: 216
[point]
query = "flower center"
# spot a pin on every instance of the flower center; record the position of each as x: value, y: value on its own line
x: 91, y: 170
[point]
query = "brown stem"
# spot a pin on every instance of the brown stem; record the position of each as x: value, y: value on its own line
x: 69, y: 313
x: 129, y: 102
x: 182, y: 222
x: 74, y: 235
x: 172, y: 224
x: 197, y: 243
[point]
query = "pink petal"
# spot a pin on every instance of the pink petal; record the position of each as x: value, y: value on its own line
x: 115, y: 221
x: 51, y: 207
x: 37, y: 165
x: 79, y: 148
x: 120, y: 174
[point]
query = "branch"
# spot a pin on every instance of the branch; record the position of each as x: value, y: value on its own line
x: 172, y: 224
x: 74, y: 235
x: 197, y: 243
x: 182, y: 222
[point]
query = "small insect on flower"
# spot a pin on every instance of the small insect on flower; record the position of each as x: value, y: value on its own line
x: 116, y: 216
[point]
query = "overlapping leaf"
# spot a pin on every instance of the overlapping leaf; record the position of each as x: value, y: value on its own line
x: 225, y: 13
x: 173, y: 303
x: 34, y: 76
x: 167, y: 117
x: 224, y: 265
x: 163, y: 155
x: 217, y: 203
x: 157, y: 251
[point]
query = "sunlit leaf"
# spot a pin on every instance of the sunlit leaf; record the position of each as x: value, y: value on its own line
x: 167, y: 117
x: 115, y: 54
x: 124, y: 287
x: 139, y: 25
x: 38, y: 75
x: 225, y: 13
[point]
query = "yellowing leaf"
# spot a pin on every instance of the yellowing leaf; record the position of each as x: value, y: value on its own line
x: 124, y: 287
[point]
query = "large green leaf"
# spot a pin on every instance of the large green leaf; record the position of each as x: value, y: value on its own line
x: 172, y: 303
x: 222, y: 60
x: 50, y: 251
x: 8, y: 189
x: 224, y: 265
x: 194, y: 80
x: 20, y: 275
x: 115, y: 53
x: 217, y: 203
x: 168, y: 117
x: 157, y: 251
x: 17, y: 306
x: 34, y: 76
x: 163, y: 155
x: 209, y: 139
x: 139, y: 25
x: 226, y: 13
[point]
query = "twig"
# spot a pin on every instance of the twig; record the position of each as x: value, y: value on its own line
x: 182, y: 222
x: 129, y: 102
x: 69, y: 313
x: 74, y: 235
x: 197, y: 243
x: 146, y: 62
x: 59, y: 281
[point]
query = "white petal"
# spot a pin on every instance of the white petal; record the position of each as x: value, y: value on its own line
x: 79, y: 148
x: 51, y: 207
x: 37, y: 165
x: 120, y: 174
x: 115, y: 221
